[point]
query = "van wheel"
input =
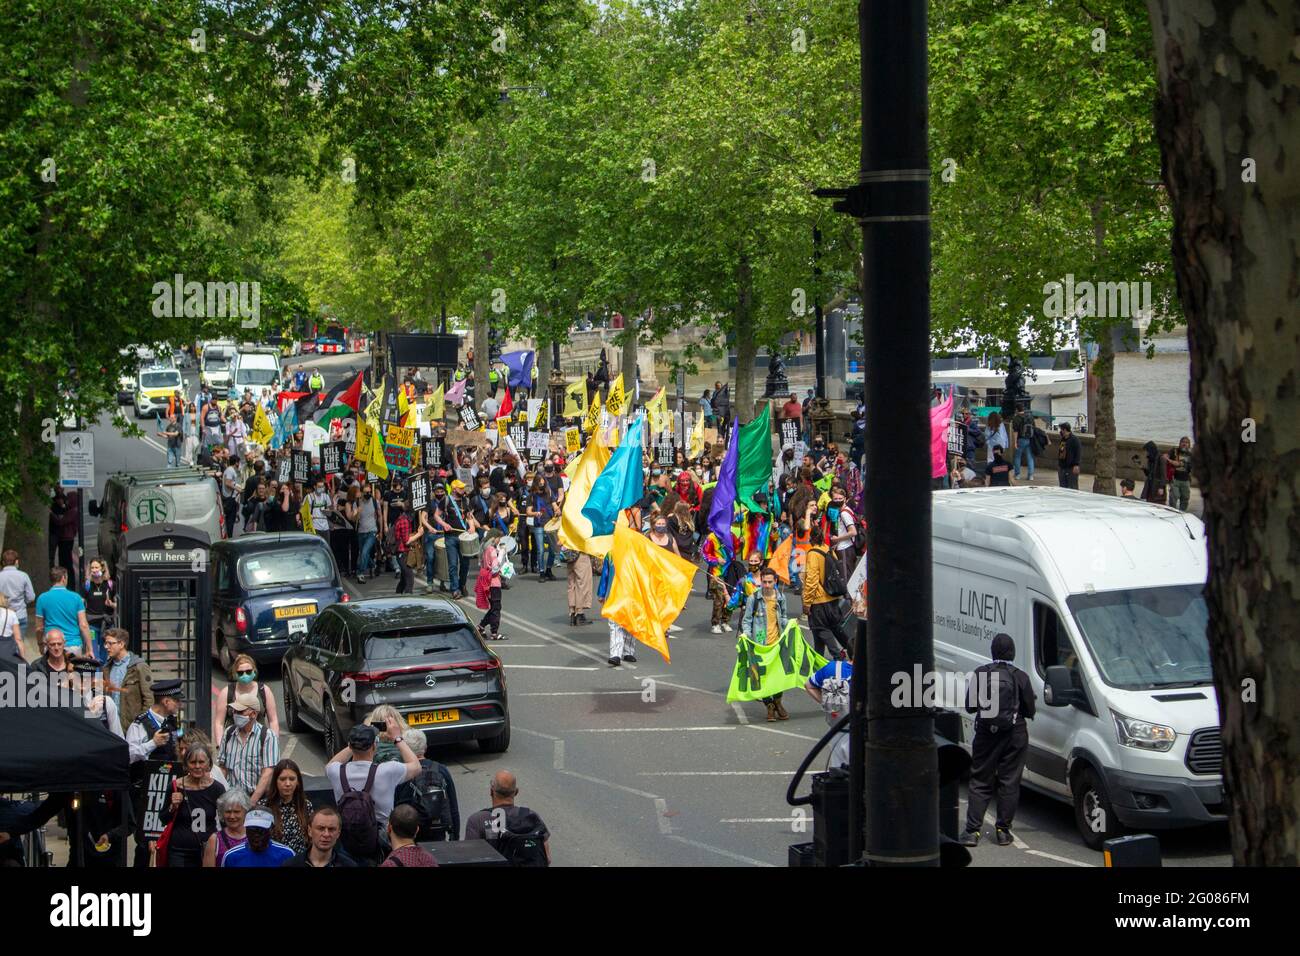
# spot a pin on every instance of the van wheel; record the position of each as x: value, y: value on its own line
x: 497, y: 744
x: 1093, y: 813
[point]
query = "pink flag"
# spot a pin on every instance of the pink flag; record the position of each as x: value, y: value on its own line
x: 940, y: 419
x: 456, y: 394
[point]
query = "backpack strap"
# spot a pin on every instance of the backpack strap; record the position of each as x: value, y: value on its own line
x: 343, y: 776
x: 370, y: 777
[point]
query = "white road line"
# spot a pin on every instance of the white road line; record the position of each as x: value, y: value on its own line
x: 547, y: 667
x: 783, y: 733
x: 572, y: 693
x: 786, y: 820
x: 289, y: 746
x: 609, y: 783
x: 713, y: 849
x: 716, y: 773
x: 740, y: 712
x: 661, y: 811
x: 1058, y: 859
x: 642, y: 730
x: 559, y: 755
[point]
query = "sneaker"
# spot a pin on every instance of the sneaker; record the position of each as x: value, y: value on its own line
x: 673, y: 628
x: 970, y: 838
x: 1004, y: 836
x: 582, y: 619
x: 361, y: 579
x: 716, y: 629
x: 615, y: 662
x: 726, y: 627
x: 630, y: 658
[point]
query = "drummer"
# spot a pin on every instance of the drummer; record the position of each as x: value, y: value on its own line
x: 453, y: 516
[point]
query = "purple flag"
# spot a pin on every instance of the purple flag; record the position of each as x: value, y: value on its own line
x: 724, y: 492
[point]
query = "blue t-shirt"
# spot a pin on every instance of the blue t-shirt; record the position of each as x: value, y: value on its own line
x: 274, y: 855
x: 828, y: 670
x: 59, y: 608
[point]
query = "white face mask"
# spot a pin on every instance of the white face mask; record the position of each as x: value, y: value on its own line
x: 242, y: 720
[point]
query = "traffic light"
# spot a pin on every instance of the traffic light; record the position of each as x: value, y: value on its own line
x: 954, y: 768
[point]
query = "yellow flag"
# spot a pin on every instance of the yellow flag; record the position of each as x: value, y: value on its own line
x: 697, y: 438
x: 435, y: 409
x: 370, y: 449
x: 575, y: 399
x: 614, y: 400
x: 593, y: 416
x: 657, y: 411
x: 651, y: 585
x: 575, y: 529
x: 262, y: 432
x: 305, y: 512
x: 403, y: 405
x: 543, y: 420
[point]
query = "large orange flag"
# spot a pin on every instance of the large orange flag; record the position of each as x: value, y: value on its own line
x: 780, y: 560
x: 651, y: 585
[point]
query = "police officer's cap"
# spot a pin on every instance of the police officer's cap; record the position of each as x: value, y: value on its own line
x: 167, y: 688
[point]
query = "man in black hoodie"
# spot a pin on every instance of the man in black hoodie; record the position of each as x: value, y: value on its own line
x: 1001, y: 739
x: 1068, y: 457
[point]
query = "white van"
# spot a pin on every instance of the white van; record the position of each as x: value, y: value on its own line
x: 1103, y: 598
x: 255, y: 369
x: 215, y: 366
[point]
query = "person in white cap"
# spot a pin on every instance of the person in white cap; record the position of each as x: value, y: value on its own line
x: 258, y: 849
x: 249, y: 750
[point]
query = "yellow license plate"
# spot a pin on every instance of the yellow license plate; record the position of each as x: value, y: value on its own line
x: 432, y: 717
x: 297, y: 610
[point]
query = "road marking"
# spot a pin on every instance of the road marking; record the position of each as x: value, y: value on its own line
x: 642, y: 730
x: 740, y: 712
x: 1058, y: 859
x: 609, y: 783
x: 761, y: 820
x: 289, y: 746
x: 559, y: 755
x: 783, y: 733
x: 661, y: 811
x: 715, y: 773
x: 713, y: 849
x: 572, y: 693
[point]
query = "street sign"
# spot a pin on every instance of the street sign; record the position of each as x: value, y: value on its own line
x: 76, y: 460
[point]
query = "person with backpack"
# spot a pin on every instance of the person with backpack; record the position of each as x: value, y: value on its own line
x: 432, y: 793
x: 364, y: 790
x: 403, y: 825
x: 829, y: 686
x: 1023, y: 425
x: 1001, y: 740
x: 824, y: 584
x: 517, y: 833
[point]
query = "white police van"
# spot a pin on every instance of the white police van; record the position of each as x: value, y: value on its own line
x: 1102, y: 596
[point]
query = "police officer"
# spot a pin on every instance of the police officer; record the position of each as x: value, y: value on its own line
x: 153, y: 736
x: 1001, y: 739
x: 493, y: 377
x: 317, y: 381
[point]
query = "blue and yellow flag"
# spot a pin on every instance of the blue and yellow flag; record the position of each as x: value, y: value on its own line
x: 650, y: 588
x: 620, y: 485
x: 575, y: 528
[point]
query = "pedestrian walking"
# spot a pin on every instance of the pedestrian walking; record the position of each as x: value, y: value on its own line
x: 405, y: 546
x: 487, y: 589
x: 1001, y: 739
x: 1023, y: 426
x: 763, y: 622
x: 580, y: 576
x: 127, y: 678
x: 822, y: 576
x: 16, y: 585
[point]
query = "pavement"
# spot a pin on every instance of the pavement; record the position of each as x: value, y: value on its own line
x: 647, y: 764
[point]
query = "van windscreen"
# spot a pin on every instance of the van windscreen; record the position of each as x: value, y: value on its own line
x: 1147, y: 638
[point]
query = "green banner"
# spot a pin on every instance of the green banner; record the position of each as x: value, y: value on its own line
x: 763, y: 670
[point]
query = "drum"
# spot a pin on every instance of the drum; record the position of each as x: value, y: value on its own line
x: 469, y: 544
x: 553, y: 526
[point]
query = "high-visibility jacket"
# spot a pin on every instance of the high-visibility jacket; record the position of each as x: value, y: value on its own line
x: 316, y: 382
x: 492, y: 375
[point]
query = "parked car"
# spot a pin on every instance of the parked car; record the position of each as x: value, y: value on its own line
x: 184, y: 496
x: 267, y: 588
x: 420, y: 655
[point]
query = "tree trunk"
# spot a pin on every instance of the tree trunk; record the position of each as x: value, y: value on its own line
x: 742, y: 401
x: 631, y: 326
x: 1103, y: 369
x: 28, y: 529
x: 544, y: 365
x: 481, y: 346
x: 1229, y: 83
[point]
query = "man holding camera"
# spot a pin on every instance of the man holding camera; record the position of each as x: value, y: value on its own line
x: 354, y: 769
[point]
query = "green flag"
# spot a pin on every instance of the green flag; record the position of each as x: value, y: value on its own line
x: 763, y: 670
x: 754, y: 458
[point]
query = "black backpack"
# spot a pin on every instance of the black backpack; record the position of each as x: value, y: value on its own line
x: 357, y: 814
x: 430, y: 802
x: 1002, y: 674
x: 833, y: 576
x: 522, y: 849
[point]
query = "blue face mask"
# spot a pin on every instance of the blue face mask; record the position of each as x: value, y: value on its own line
x: 247, y: 678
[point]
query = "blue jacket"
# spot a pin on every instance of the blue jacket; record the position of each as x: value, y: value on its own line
x: 756, y: 616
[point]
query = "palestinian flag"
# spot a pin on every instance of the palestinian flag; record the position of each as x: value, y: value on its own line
x: 342, y: 402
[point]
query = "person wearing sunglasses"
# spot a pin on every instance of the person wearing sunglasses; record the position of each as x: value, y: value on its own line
x: 244, y: 686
